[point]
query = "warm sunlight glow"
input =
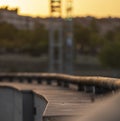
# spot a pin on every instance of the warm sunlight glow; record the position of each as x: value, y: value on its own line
x: 98, y: 8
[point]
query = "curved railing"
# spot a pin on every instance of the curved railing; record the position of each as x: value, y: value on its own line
x: 91, y: 83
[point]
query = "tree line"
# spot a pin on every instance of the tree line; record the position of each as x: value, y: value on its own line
x: 87, y: 39
x: 106, y: 47
x: 34, y: 42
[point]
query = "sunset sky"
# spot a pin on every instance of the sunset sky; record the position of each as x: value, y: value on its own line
x: 98, y: 8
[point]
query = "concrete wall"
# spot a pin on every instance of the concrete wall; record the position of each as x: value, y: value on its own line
x: 18, y: 106
x: 40, y: 105
x: 10, y: 105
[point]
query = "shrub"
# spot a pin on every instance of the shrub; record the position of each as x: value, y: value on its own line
x: 110, y: 55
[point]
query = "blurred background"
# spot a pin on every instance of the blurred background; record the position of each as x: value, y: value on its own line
x: 25, y: 28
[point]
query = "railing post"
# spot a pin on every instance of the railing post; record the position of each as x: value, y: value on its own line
x: 1, y: 79
x: 29, y: 80
x: 49, y: 81
x: 85, y: 88
x: 10, y: 79
x: 20, y: 79
x: 80, y: 87
x: 93, y: 90
x: 66, y: 84
x: 59, y: 83
x: 93, y: 94
x: 39, y: 80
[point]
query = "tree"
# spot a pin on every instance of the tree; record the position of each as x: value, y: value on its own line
x: 31, y: 41
x: 88, y: 38
x: 82, y: 37
x: 110, y: 55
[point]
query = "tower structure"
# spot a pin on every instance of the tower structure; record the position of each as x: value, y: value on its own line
x: 56, y: 37
x: 69, y: 45
x: 60, y: 39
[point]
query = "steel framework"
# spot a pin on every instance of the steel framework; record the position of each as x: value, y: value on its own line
x: 69, y: 46
x: 60, y: 39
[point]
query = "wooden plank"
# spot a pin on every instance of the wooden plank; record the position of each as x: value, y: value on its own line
x: 61, y: 101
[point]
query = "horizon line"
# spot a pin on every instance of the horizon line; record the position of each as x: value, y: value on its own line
x: 63, y: 16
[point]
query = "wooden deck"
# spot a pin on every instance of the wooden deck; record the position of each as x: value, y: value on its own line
x: 61, y: 101
x: 64, y: 102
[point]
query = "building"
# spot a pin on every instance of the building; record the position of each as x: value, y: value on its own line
x: 11, y: 16
x: 108, y: 24
x: 26, y: 22
x: 104, y: 24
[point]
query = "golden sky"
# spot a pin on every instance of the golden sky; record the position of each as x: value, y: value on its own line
x: 98, y: 8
